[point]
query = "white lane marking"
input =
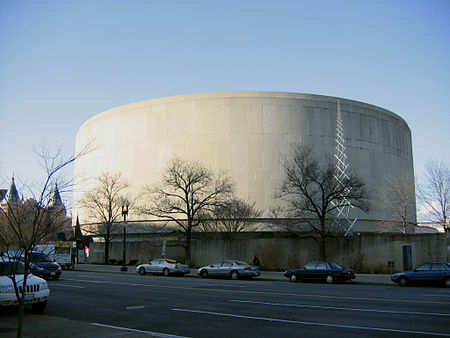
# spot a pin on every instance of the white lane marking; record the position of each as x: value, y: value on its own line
x: 287, y: 321
x: 153, y: 334
x: 134, y: 307
x: 227, y: 285
x: 68, y: 286
x: 437, y: 296
x: 344, y: 308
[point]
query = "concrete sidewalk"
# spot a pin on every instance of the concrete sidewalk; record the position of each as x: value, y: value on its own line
x: 265, y: 275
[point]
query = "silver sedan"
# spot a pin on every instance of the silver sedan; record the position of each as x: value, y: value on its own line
x: 229, y: 269
x: 163, y: 267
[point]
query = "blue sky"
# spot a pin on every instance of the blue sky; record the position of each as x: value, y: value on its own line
x: 62, y: 62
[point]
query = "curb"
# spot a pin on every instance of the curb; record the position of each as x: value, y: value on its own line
x: 265, y: 275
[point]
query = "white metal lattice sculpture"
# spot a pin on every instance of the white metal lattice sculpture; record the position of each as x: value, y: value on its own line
x: 343, y: 207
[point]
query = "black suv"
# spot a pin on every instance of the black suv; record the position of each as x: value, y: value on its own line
x: 43, y: 266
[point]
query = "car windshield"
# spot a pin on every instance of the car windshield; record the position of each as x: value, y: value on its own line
x: 11, y: 268
x: 171, y: 261
x: 310, y: 266
x: 424, y: 267
x: 241, y: 263
x: 439, y: 267
x: 335, y: 266
x: 39, y: 257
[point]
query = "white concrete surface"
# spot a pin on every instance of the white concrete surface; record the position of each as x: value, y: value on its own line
x: 243, y: 133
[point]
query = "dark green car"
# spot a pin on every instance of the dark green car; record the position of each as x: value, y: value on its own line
x: 329, y: 272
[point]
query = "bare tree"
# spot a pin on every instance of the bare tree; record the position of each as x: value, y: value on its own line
x: 434, y: 193
x: 25, y: 223
x: 187, y: 191
x: 398, y: 196
x: 310, y: 195
x: 103, y: 203
x: 233, y: 216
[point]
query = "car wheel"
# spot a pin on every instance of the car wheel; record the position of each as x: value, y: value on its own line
x: 166, y: 272
x: 142, y: 271
x: 329, y: 279
x: 234, y: 275
x: 403, y: 281
x: 39, y: 307
x: 204, y: 274
x: 447, y: 282
x: 293, y: 277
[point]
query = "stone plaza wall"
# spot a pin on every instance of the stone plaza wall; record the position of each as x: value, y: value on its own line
x: 366, y: 253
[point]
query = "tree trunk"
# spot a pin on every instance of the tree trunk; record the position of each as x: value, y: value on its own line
x: 187, y: 248
x: 20, y: 320
x: 323, y: 247
x: 106, y: 251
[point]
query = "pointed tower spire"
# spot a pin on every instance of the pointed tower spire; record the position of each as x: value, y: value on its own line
x: 13, y: 195
x: 56, y: 201
x: 78, y: 233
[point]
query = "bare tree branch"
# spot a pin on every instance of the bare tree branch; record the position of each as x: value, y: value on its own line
x: 398, y: 196
x: 186, y: 192
x: 103, y: 204
x: 434, y: 193
x: 310, y: 194
x: 25, y: 223
x: 233, y: 216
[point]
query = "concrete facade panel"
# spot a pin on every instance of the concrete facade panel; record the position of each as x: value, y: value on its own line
x: 245, y: 134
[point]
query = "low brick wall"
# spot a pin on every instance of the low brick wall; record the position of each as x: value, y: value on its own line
x: 366, y: 253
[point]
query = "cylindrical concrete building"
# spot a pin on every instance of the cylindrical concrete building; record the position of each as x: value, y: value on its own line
x: 245, y: 134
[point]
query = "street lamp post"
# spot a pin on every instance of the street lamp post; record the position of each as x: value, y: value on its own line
x: 124, y: 214
x: 447, y: 233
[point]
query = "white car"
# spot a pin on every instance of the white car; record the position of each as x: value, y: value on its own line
x: 163, y: 267
x: 36, y: 292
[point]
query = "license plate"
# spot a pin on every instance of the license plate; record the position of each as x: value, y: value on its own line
x: 53, y: 273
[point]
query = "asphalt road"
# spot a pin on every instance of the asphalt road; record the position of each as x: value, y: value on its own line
x: 109, y: 304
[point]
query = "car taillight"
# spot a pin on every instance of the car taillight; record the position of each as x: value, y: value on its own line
x: 247, y: 268
x: 345, y: 272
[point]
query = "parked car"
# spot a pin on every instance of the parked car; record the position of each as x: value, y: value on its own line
x: 61, y: 252
x: 36, y: 292
x: 163, y: 267
x: 229, y: 269
x: 427, y: 273
x: 329, y: 272
x: 43, y: 266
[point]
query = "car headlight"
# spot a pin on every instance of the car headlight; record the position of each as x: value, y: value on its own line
x: 7, y: 289
x: 43, y: 286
